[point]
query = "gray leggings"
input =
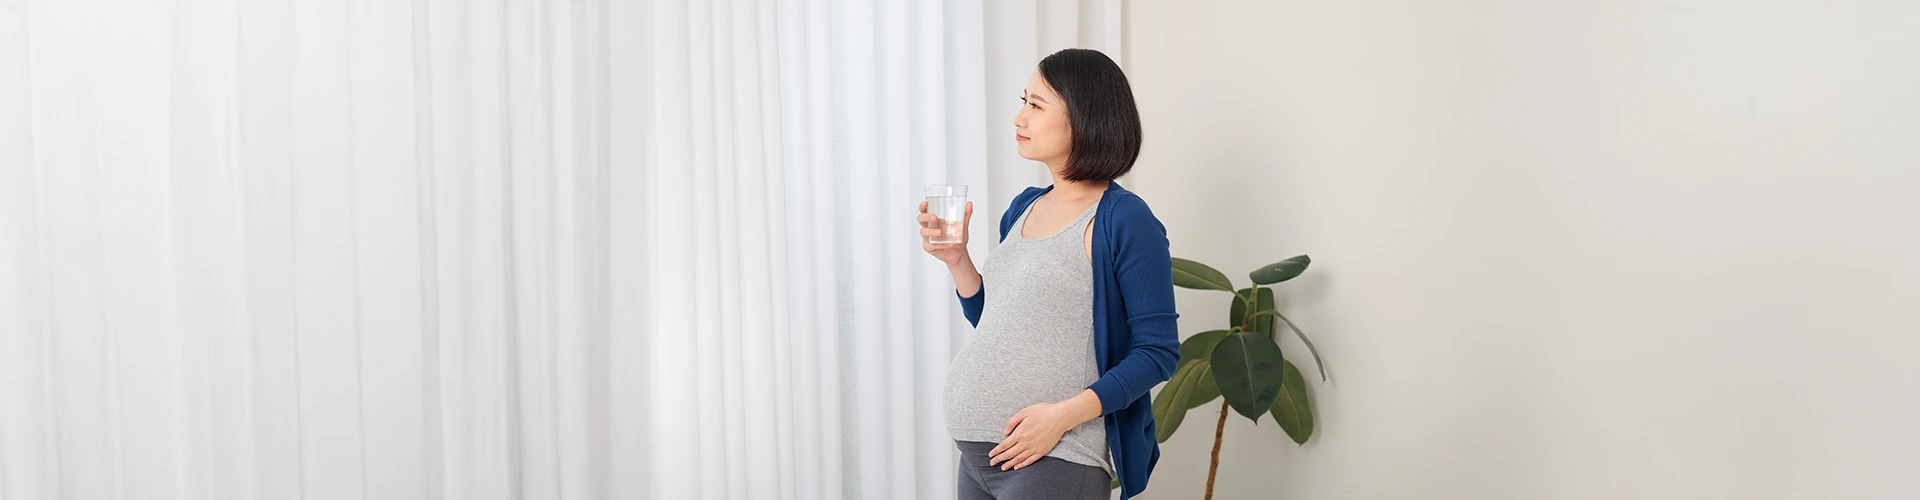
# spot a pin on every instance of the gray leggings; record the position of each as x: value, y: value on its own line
x: 1048, y: 478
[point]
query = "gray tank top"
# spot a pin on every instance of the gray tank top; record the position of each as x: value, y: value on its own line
x: 1033, y: 344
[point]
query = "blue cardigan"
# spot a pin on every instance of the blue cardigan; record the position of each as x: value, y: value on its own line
x: 1136, y: 344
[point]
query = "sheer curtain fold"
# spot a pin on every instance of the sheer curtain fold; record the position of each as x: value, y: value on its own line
x: 494, y: 249
x: 284, y: 249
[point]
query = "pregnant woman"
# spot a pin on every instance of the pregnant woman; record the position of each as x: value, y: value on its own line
x: 1048, y: 399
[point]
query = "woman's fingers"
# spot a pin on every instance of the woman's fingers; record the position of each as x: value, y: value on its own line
x: 967, y: 221
x: 1015, y: 456
x: 1007, y: 445
x: 1004, y: 456
x: 930, y: 226
x: 1014, y: 422
x: 1014, y: 452
x: 1018, y: 460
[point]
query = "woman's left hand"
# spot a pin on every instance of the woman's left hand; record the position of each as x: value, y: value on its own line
x: 1034, y: 430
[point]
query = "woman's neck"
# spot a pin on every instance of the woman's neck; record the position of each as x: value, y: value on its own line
x: 1074, y: 192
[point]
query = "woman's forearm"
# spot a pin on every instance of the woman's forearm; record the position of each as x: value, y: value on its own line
x: 1084, y: 406
x: 966, y: 279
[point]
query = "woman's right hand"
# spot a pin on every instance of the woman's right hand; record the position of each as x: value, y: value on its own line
x: 951, y: 253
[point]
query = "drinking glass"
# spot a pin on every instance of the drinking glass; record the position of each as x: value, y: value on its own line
x: 948, y: 204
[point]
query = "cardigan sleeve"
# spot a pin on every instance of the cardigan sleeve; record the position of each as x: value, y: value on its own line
x: 1144, y: 272
x: 970, y: 306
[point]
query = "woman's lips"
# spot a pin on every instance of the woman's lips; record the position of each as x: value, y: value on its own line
x: 1019, y: 137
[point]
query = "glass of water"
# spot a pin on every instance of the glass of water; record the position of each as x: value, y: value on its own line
x: 948, y: 204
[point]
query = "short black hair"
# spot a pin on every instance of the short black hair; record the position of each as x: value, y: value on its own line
x: 1100, y: 111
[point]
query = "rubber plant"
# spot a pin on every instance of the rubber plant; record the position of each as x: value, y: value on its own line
x: 1241, y: 364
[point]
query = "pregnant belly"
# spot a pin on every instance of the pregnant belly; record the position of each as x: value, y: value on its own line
x: 986, y: 386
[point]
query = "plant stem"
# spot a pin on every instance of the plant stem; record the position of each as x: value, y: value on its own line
x: 1219, y: 430
x: 1268, y: 312
x: 1247, y: 318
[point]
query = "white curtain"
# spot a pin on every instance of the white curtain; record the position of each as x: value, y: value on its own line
x: 799, y: 337
x: 265, y: 249
x: 493, y: 249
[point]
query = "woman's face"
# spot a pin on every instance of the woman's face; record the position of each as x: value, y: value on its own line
x: 1041, y: 128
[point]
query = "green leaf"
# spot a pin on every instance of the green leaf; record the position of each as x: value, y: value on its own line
x: 1170, y: 406
x: 1205, y: 393
x: 1200, y: 345
x: 1190, y: 274
x: 1280, y: 271
x: 1237, y: 314
x: 1248, y: 367
x: 1303, y: 338
x: 1291, y: 409
x: 1309, y: 343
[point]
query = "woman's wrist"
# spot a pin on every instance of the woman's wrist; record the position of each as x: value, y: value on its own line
x: 966, y: 279
x: 1083, y: 407
x: 963, y: 271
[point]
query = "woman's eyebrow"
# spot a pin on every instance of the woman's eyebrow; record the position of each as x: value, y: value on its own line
x: 1036, y: 97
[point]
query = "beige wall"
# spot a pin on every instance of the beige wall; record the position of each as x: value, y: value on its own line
x: 1564, y: 249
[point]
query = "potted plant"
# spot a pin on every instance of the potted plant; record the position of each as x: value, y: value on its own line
x: 1241, y: 364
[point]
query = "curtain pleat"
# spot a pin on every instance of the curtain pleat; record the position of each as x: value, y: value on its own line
x: 284, y: 249
x: 494, y: 249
